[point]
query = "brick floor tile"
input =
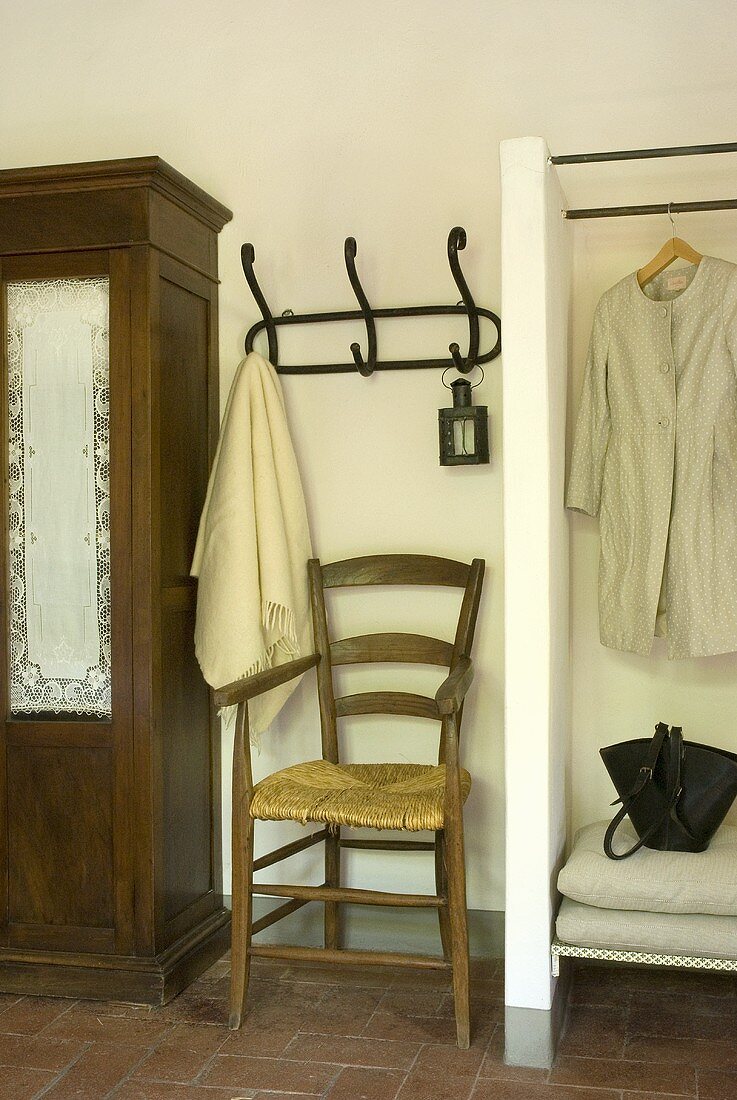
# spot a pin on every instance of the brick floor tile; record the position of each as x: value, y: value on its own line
x: 17, y: 1083
x: 440, y: 1060
x: 377, y: 1053
x: 118, y: 1008
x: 487, y: 968
x: 34, y: 1052
x: 96, y: 1071
x: 218, y: 970
x: 264, y: 1042
x: 366, y: 1084
x: 412, y: 1002
x: 29, y: 1015
x: 487, y: 989
x: 712, y: 983
x: 326, y: 1022
x: 270, y: 992
x: 6, y: 1000
x: 269, y: 1073
x: 345, y: 1001
x: 169, y: 1063
x: 424, y: 1085
x: 681, y: 1022
x: 411, y: 1029
x: 627, y: 1095
x: 715, y: 1085
x: 269, y: 1095
x: 165, y: 1090
x: 183, y: 1053
x: 709, y: 1053
x: 358, y: 977
x: 522, y: 1090
x: 197, y: 1036
x: 623, y: 1074
x: 699, y: 1004
x: 594, y: 986
x: 407, y: 978
x: 595, y: 1031
x: 196, y: 1008
x: 91, y: 1027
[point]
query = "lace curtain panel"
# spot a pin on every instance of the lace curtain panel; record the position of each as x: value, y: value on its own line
x: 59, y: 497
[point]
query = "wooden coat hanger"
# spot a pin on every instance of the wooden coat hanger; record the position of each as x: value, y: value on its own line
x: 674, y: 249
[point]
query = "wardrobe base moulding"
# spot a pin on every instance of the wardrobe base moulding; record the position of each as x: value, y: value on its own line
x: 130, y: 979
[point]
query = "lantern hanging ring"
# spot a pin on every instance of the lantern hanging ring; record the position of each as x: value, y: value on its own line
x: 452, y: 366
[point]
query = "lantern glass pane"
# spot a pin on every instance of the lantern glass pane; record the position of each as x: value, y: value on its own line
x: 464, y: 436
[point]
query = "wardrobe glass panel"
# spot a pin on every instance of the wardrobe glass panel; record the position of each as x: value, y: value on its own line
x: 58, y: 497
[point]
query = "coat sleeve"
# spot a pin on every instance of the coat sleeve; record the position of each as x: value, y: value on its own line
x: 593, y: 426
x: 729, y: 314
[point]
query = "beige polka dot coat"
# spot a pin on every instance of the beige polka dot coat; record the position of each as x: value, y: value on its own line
x: 655, y: 456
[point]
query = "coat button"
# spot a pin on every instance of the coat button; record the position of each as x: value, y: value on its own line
x: 664, y: 422
x: 665, y: 311
x: 665, y: 367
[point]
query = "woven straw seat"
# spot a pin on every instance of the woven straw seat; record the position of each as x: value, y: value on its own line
x: 374, y: 796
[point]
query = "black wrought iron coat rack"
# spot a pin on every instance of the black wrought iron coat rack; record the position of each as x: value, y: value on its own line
x: 366, y: 366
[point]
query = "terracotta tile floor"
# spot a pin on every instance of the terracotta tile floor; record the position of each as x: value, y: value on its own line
x: 362, y: 1035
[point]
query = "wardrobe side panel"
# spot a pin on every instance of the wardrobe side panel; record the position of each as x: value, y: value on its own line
x: 191, y: 815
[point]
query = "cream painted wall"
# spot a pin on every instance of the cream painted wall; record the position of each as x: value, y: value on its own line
x: 318, y: 120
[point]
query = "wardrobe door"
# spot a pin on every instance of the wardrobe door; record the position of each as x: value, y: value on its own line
x: 65, y: 701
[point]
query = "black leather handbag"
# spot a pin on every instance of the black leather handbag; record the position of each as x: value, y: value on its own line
x: 677, y: 793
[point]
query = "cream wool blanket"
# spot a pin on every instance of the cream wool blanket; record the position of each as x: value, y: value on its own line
x: 253, y: 545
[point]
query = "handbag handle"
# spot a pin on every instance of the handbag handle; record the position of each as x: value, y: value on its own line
x: 644, y: 778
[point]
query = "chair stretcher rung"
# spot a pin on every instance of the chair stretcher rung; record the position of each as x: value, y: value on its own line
x: 349, y: 958
x: 277, y: 914
x: 289, y: 850
x: 345, y: 894
x: 390, y: 845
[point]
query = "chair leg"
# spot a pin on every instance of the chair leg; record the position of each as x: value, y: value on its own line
x: 332, y: 878
x: 455, y: 864
x: 240, y: 961
x: 441, y: 888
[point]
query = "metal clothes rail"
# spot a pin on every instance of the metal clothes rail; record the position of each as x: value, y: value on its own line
x: 646, y: 154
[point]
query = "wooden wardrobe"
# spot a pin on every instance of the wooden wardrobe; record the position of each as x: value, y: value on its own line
x: 110, y: 870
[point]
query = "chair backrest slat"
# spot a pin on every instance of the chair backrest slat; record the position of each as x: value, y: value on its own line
x: 387, y: 569
x: 395, y: 569
x: 387, y: 702
x: 469, y: 611
x: 391, y: 648
x: 325, y: 694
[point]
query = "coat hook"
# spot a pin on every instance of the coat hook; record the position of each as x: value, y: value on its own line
x: 456, y: 242
x: 364, y: 368
x: 248, y: 255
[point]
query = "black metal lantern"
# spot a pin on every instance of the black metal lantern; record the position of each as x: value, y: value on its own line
x: 464, y: 429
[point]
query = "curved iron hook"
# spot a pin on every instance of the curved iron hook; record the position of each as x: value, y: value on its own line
x: 248, y: 255
x: 364, y: 368
x: 456, y: 242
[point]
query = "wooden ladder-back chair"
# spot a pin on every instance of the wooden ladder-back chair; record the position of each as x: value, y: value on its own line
x: 412, y: 797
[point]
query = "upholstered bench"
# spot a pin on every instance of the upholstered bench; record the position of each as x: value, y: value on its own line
x: 672, y: 908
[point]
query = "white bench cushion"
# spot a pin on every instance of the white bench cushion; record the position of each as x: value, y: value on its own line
x: 655, y: 882
x: 665, y: 933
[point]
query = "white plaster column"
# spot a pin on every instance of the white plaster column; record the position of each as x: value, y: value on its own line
x: 536, y: 276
